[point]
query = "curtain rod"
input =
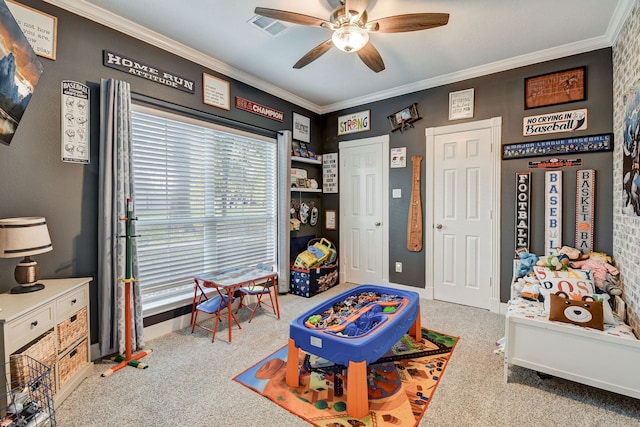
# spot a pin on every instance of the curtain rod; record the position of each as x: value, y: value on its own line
x: 149, y: 100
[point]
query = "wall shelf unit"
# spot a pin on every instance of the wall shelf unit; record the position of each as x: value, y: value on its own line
x: 306, y: 160
x: 306, y: 190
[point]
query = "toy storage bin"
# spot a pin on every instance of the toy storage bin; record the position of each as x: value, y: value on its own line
x: 309, y: 282
x: 28, y: 400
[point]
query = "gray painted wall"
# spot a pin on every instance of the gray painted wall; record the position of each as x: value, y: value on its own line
x: 500, y: 94
x: 35, y: 182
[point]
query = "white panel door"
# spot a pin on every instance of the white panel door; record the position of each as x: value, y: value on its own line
x: 361, y: 208
x: 462, y: 204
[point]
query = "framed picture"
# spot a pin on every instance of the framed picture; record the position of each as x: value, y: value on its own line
x: 301, y: 128
x: 461, y: 104
x: 355, y: 122
x: 555, y: 88
x: 215, y: 91
x: 25, y: 74
x: 295, y: 148
x: 330, y: 219
x: 44, y: 42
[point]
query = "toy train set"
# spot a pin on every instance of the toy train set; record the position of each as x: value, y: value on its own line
x: 357, y: 315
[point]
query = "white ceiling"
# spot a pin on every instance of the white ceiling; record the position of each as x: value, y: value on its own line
x: 482, y: 36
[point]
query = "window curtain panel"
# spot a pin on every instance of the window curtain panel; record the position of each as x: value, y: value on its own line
x: 115, y: 182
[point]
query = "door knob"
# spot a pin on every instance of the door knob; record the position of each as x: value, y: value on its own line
x: 378, y: 224
x: 439, y: 226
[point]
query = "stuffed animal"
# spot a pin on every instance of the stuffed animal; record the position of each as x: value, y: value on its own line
x: 554, y: 262
x: 600, y: 264
x: 525, y: 266
x: 531, y: 288
x: 572, y: 253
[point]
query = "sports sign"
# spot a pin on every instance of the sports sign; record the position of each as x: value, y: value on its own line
x: 553, y: 211
x: 563, y: 121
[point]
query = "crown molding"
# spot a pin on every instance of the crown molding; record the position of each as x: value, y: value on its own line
x: 130, y: 28
x: 469, y: 73
x: 125, y: 26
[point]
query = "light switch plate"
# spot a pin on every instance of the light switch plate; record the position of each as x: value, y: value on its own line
x: 397, y: 193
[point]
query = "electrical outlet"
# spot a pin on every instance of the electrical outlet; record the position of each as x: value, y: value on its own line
x: 398, y: 267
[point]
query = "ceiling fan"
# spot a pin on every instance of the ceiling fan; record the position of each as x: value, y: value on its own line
x: 351, y: 29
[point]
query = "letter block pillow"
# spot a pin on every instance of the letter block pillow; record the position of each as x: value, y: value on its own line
x: 575, y: 283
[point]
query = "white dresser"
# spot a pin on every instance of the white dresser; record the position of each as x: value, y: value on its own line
x: 54, y: 324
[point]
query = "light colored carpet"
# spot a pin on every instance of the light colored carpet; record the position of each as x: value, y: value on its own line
x: 189, y: 381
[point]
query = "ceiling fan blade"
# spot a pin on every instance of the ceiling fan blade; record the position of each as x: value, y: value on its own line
x: 371, y: 57
x: 314, y: 54
x: 408, y: 22
x: 293, y: 17
x: 356, y: 5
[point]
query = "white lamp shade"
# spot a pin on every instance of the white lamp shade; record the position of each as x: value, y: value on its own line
x: 26, y: 236
x: 350, y: 38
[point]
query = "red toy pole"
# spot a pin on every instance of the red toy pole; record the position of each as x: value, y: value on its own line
x: 128, y: 359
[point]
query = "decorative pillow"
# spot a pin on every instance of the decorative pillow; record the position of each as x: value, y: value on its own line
x: 607, y: 312
x: 575, y: 283
x: 586, y: 312
x: 606, y: 308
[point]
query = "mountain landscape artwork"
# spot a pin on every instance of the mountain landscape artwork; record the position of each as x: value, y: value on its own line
x: 20, y: 71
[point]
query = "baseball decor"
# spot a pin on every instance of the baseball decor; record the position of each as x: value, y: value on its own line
x: 553, y: 211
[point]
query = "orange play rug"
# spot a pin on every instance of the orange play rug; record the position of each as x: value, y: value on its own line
x: 401, y: 383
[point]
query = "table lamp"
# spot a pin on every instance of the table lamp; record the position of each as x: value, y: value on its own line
x: 23, y: 237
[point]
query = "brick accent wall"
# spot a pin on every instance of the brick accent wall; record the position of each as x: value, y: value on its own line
x: 626, y: 229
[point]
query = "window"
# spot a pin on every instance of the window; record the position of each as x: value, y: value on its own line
x: 205, y: 199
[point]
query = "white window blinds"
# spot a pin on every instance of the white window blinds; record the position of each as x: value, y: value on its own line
x: 205, y: 198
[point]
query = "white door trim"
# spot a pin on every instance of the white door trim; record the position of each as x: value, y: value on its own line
x: 384, y: 141
x: 495, y: 124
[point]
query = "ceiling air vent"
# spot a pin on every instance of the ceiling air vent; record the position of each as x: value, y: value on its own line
x: 268, y: 25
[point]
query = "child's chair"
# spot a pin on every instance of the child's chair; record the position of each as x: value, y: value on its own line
x: 269, y: 287
x: 213, y: 305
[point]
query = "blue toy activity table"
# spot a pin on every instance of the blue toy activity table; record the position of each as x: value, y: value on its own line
x: 354, y: 329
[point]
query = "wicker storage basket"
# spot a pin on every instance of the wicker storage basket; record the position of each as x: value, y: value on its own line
x: 72, y: 329
x: 43, y: 350
x: 72, y: 362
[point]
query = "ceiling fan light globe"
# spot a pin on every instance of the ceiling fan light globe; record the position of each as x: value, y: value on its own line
x: 350, y: 38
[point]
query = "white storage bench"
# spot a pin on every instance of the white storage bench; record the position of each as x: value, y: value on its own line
x: 606, y: 359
